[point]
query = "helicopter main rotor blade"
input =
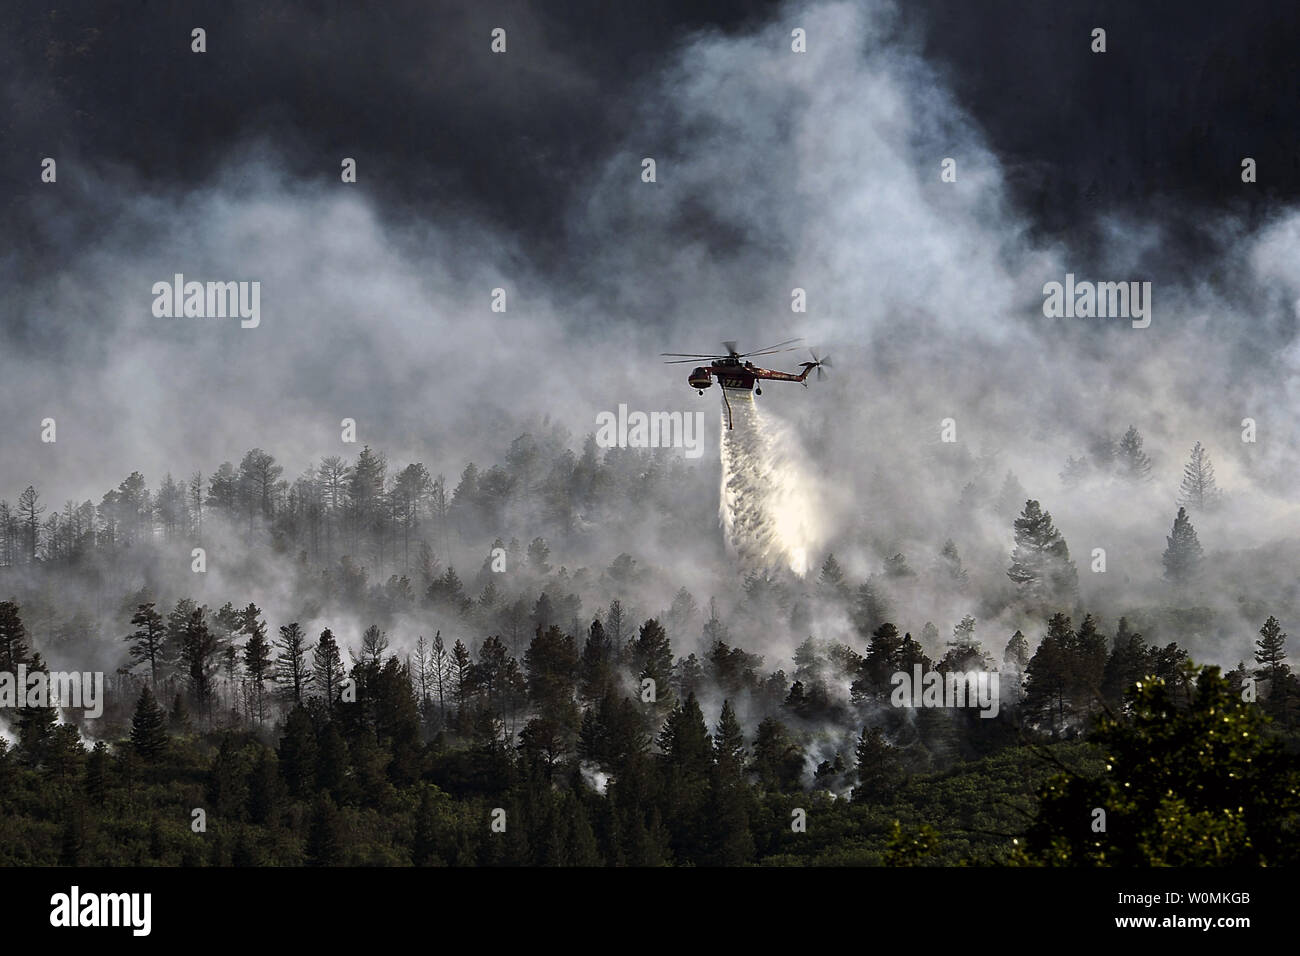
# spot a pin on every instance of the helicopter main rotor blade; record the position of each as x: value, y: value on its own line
x: 768, y: 348
x: 694, y: 354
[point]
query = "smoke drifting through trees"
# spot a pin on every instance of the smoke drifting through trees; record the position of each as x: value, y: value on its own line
x: 928, y: 293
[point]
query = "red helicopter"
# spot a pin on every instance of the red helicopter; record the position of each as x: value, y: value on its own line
x: 733, y: 372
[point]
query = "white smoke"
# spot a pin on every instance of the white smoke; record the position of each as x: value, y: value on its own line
x: 594, y: 777
x: 766, y: 510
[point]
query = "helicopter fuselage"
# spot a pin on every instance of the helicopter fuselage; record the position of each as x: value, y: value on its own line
x: 735, y: 374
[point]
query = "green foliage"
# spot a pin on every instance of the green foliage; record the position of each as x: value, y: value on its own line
x: 1187, y: 772
x: 1200, y: 785
x: 911, y: 849
x: 149, y: 728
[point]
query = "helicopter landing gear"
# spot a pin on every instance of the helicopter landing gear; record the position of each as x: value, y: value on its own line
x: 701, y: 391
x: 758, y: 391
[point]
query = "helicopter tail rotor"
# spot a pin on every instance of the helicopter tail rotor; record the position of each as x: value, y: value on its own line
x: 820, y: 364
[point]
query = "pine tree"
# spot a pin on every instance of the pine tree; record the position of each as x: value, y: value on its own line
x: 292, y: 672
x: 198, y: 652
x: 71, y: 842
x: 225, y: 625
x: 257, y: 656
x: 178, y: 622
x: 871, y: 608
x: 1130, y: 660
x: 595, y: 667
x: 714, y: 629
x: 366, y: 496
x: 1270, y: 653
x: 538, y: 552
x: 1040, y: 562
x: 148, y: 640
x: 37, y: 719
x: 178, y: 720
x: 14, y: 649
x: 1048, y: 675
x: 1172, y: 666
x: 729, y: 743
x: 652, y: 658
x: 448, y: 591
x: 910, y: 653
x: 424, y: 848
x: 462, y: 677
x: 1182, y: 557
x: 1075, y: 472
x: 1101, y: 452
x: 422, y: 674
x: 880, y: 769
x: 96, y: 786
x: 327, y: 667
x: 581, y: 846
x: 897, y: 567
x: 682, y: 613
x: 963, y: 633
x: 883, y: 658
x: 950, y: 570
x: 1015, y: 661
x: 1131, y: 461
x: 331, y: 760
x: 1088, y: 665
x: 831, y: 583
x: 325, y: 834
x: 440, y: 661
x: 685, y: 741
x: 264, y: 789
x: 778, y: 761
x: 543, y: 613
x: 616, y: 627
x: 1016, y: 655
x: 732, y: 843
x: 1010, y: 496
x: 298, y: 752
x: 374, y: 643
x: 148, y: 727
x: 551, y: 663
x: 30, y: 511
x: 1199, y: 491
x: 1270, y: 649
x: 964, y: 651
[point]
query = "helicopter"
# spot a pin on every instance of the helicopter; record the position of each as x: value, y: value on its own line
x: 734, y: 371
